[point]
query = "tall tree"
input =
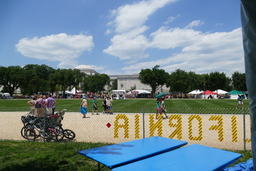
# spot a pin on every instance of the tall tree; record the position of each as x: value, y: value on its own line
x: 155, y: 78
x: 65, y: 78
x: 216, y: 80
x: 53, y: 82
x: 79, y: 77
x: 195, y: 80
x: 179, y: 81
x: 114, y: 85
x: 95, y: 83
x: 37, y: 78
x: 238, y: 81
x: 11, y: 78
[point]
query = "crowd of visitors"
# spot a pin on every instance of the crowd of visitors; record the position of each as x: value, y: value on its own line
x: 46, y: 104
x: 106, y: 103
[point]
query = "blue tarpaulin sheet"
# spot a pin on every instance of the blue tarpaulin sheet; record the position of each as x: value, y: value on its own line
x: 245, y: 166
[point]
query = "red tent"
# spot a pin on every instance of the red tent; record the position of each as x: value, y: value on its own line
x: 208, y: 92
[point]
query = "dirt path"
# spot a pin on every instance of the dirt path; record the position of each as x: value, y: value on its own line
x: 219, y: 131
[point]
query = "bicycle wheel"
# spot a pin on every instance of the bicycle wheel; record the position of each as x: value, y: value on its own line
x: 69, y: 134
x: 23, y: 130
x: 30, y: 133
x: 50, y: 135
x: 60, y: 133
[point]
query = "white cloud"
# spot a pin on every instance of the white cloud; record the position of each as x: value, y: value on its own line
x: 135, y: 15
x: 201, y: 52
x: 165, y: 38
x: 195, y: 23
x: 108, y: 31
x: 129, y: 45
x: 193, y: 50
x: 219, y: 24
x: 61, y: 47
x: 171, y: 19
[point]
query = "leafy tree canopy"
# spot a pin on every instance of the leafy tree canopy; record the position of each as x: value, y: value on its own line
x: 154, y: 77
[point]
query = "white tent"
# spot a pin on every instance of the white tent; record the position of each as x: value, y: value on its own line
x: 118, y: 91
x: 72, y: 92
x: 139, y: 92
x: 196, y: 92
x: 118, y: 94
x: 219, y: 91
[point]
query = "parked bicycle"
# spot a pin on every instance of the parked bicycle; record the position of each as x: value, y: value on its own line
x: 49, y: 128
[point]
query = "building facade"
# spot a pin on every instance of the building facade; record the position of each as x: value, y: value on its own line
x: 124, y: 82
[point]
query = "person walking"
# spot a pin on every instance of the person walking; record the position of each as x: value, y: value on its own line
x: 159, y: 109
x: 110, y: 107
x: 240, y: 101
x: 163, y: 107
x: 104, y: 104
x: 94, y: 106
x: 83, y: 107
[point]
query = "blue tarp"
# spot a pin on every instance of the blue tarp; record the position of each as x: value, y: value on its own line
x: 245, y: 166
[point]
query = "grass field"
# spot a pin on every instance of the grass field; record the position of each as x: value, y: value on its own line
x: 30, y: 156
x: 197, y: 106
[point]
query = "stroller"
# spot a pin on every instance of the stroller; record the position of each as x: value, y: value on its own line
x: 54, y: 121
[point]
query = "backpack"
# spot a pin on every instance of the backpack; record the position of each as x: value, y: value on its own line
x: 38, y: 105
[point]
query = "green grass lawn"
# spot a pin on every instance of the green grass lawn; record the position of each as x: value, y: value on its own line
x: 31, y: 156
x: 195, y: 106
x: 39, y: 156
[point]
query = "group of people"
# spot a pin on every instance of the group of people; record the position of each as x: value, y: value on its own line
x: 161, y: 107
x: 106, y: 103
x: 42, y: 104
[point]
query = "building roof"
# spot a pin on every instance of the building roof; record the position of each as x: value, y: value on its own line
x: 87, y: 69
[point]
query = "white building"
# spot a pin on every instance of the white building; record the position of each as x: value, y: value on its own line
x: 86, y: 69
x: 124, y: 82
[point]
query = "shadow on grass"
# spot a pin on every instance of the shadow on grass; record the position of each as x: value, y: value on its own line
x: 35, y: 165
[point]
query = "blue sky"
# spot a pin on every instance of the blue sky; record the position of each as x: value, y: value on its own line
x: 123, y: 36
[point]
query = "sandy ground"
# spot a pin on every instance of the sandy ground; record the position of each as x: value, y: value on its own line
x: 219, y: 131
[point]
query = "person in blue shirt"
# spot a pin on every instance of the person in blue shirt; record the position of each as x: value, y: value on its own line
x: 240, y: 101
x: 94, y: 106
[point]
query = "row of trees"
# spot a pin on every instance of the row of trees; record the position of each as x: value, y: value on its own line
x: 34, y: 79
x: 182, y: 81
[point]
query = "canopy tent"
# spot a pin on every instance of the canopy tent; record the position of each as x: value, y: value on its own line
x: 118, y: 91
x: 73, y: 91
x: 139, y: 92
x: 208, y: 94
x: 195, y: 92
x: 219, y: 91
x: 118, y: 94
x: 234, y: 94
